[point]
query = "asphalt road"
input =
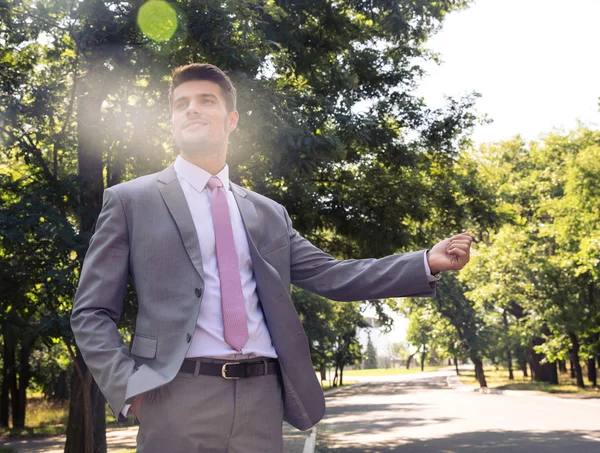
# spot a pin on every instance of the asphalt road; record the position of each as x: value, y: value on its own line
x: 420, y: 413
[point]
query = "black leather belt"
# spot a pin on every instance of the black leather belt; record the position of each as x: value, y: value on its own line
x: 230, y: 369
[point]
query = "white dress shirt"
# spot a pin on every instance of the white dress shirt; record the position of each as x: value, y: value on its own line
x: 208, y: 339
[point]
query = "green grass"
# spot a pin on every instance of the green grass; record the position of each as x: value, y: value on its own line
x: 7, y: 450
x: 37, y: 431
x: 373, y: 372
x: 48, y: 418
x: 43, y: 413
x: 389, y: 371
x: 498, y: 379
x: 42, y: 418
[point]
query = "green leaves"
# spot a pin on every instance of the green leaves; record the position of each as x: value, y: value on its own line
x: 542, y: 263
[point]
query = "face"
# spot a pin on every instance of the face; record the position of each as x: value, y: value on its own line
x: 200, y: 122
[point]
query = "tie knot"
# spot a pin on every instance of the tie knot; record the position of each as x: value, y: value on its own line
x: 214, y: 182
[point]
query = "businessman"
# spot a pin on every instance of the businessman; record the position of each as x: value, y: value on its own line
x: 219, y: 357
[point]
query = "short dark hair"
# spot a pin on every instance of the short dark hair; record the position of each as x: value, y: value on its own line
x: 203, y: 71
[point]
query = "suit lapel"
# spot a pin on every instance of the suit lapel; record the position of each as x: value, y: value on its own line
x: 249, y: 215
x: 172, y: 194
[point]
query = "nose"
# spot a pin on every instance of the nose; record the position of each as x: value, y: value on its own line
x: 192, y: 109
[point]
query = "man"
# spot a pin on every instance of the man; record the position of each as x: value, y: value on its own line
x: 219, y: 357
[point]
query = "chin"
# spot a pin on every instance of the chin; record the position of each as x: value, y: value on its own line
x: 197, y: 147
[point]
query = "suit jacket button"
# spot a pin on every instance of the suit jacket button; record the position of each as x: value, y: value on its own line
x: 198, y: 292
x: 188, y: 337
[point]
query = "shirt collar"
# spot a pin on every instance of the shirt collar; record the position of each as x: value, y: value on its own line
x: 198, y: 177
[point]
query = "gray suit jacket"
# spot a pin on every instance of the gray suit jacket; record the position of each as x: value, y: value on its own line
x: 146, y: 230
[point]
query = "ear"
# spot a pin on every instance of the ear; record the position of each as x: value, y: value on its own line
x: 232, y: 120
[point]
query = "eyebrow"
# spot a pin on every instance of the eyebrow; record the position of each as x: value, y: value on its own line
x: 202, y: 95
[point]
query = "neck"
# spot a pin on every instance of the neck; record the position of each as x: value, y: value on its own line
x: 212, y: 163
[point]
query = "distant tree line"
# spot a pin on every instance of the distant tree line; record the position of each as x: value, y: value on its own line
x: 531, y: 295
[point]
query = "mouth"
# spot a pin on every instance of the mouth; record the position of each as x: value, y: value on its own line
x: 194, y: 123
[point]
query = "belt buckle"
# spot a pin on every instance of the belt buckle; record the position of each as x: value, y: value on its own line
x: 224, y: 370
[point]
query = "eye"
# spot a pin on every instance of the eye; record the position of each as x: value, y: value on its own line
x: 207, y: 101
x: 181, y: 105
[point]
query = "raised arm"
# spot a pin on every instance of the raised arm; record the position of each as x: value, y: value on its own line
x: 400, y: 275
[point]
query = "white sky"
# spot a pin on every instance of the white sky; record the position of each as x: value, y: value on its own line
x: 535, y: 62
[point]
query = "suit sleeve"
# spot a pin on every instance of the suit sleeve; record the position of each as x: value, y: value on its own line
x: 99, y: 301
x: 401, y: 275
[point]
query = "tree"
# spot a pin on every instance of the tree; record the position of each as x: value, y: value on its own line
x: 400, y: 350
x: 540, y: 266
x: 371, y: 355
x: 84, y: 107
x: 317, y: 316
x: 419, y: 331
x: 346, y: 347
x: 467, y: 318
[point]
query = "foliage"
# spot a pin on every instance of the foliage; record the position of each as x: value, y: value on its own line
x: 531, y: 287
x: 371, y: 356
x: 330, y: 126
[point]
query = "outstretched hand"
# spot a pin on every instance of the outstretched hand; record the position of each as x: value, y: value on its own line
x: 451, y: 254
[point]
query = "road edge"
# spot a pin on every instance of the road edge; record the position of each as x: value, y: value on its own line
x: 311, y: 441
x: 345, y: 387
x: 455, y: 383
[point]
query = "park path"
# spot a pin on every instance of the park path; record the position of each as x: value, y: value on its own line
x: 420, y: 413
x: 123, y: 439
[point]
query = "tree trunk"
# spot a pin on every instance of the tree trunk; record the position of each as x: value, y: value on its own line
x: 4, y: 400
x: 19, y: 406
x: 536, y: 367
x: 592, y: 374
x: 511, y: 376
x: 410, y: 357
x: 323, y: 371
x: 86, y: 428
x: 89, y: 151
x: 59, y: 387
x: 523, y: 366
x: 456, y: 366
x: 562, y: 366
x: 508, y: 351
x: 98, y: 419
x: 7, y: 370
x: 551, y: 370
x: 542, y: 372
x: 423, y: 356
x: 479, y: 374
x: 13, y: 388
x: 572, y: 365
x: 341, y: 375
x: 575, y: 359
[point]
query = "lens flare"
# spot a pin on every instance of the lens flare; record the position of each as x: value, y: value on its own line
x: 157, y: 20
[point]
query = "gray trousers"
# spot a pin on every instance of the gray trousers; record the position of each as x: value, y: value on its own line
x: 213, y: 415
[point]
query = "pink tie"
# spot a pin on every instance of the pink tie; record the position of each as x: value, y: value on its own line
x: 232, y: 298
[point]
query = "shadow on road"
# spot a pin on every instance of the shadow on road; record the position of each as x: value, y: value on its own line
x: 368, y: 409
x: 489, y: 441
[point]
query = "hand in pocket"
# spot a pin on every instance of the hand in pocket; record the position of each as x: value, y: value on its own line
x: 135, y: 406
